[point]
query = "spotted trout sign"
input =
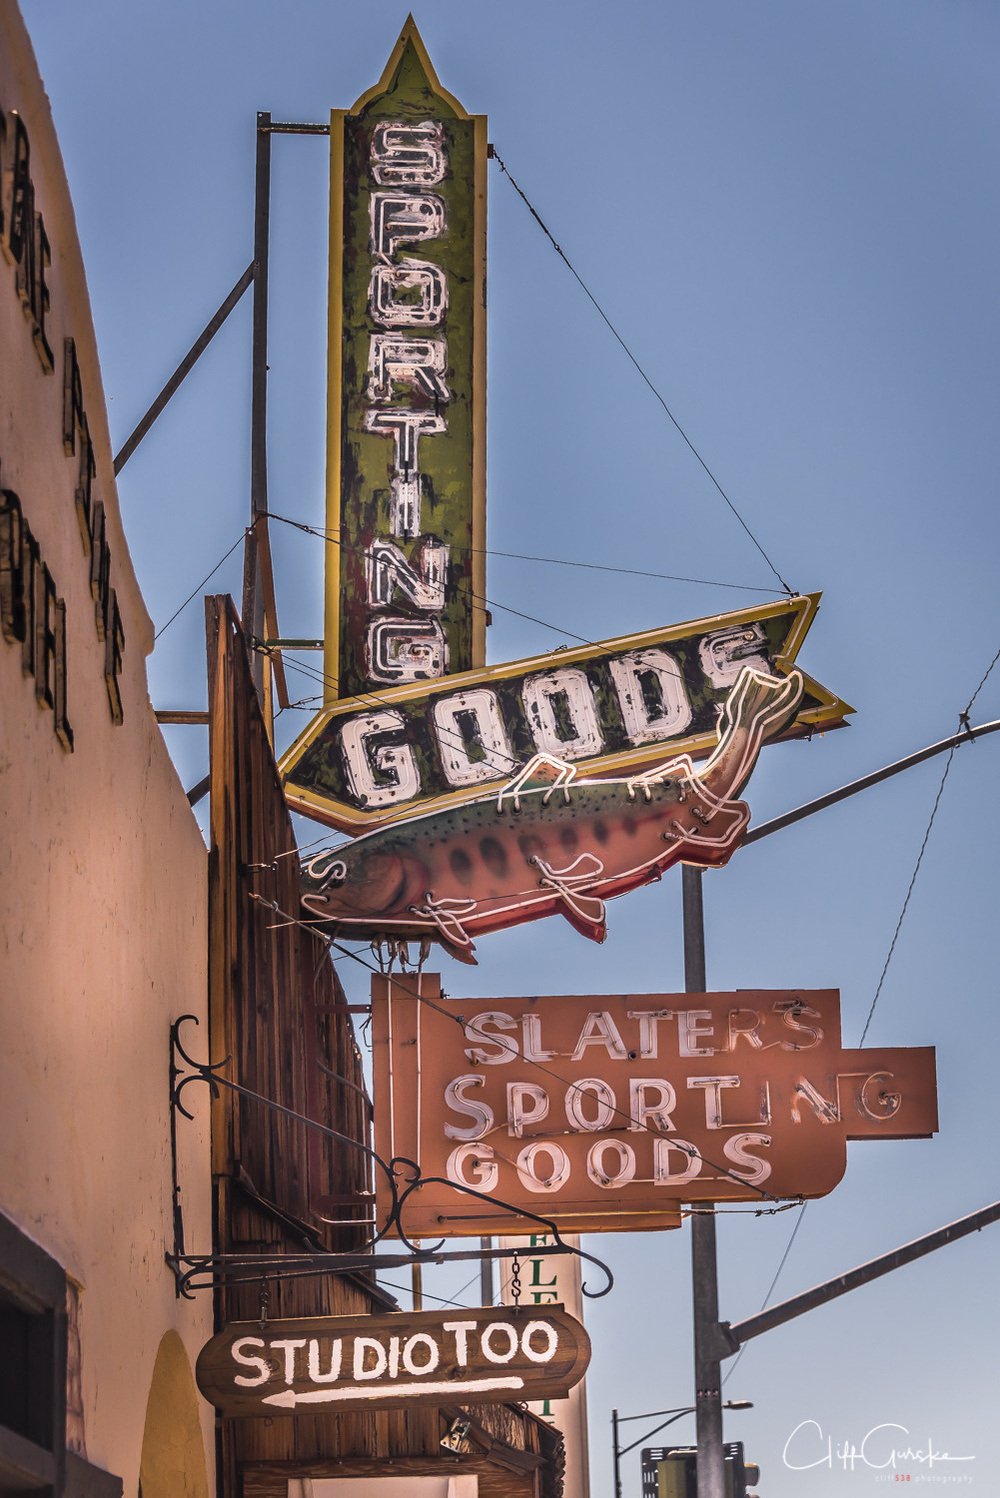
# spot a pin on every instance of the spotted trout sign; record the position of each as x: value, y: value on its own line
x: 609, y: 1112
x: 614, y: 708
x: 548, y: 843
x: 406, y: 457
x: 338, y: 1364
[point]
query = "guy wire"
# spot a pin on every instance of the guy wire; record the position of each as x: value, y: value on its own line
x: 632, y: 358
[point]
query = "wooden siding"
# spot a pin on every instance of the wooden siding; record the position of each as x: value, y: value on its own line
x: 272, y: 994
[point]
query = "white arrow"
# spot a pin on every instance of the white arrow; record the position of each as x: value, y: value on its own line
x: 288, y: 1399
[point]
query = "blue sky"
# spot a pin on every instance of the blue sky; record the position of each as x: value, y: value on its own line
x: 790, y: 211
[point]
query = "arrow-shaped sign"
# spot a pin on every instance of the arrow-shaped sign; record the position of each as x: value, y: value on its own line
x: 609, y: 709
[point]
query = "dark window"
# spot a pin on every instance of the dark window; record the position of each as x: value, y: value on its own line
x: 26, y: 1372
x: 33, y: 1364
x: 33, y: 1372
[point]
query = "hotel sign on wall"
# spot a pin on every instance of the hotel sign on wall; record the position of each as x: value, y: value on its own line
x: 337, y: 1364
x: 406, y: 461
x: 608, y: 1112
x: 620, y: 706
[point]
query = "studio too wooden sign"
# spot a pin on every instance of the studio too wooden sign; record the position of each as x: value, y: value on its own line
x: 607, y: 1112
x: 342, y: 1363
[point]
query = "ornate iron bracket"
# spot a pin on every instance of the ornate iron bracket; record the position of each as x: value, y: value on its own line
x: 403, y: 1178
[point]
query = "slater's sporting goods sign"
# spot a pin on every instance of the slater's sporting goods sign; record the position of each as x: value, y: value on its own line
x: 606, y: 1113
x: 335, y: 1364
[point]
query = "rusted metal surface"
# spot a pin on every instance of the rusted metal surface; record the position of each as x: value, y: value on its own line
x: 603, y: 1113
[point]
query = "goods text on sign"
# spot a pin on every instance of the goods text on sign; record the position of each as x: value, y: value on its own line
x: 341, y: 1363
x: 609, y: 708
x: 604, y: 1113
x: 406, y: 421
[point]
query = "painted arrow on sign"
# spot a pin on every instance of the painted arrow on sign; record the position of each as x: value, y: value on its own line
x: 288, y: 1399
x: 479, y: 1355
x: 608, y: 709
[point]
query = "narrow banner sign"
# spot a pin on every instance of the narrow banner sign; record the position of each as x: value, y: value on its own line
x: 605, y: 1113
x: 608, y: 708
x: 406, y: 459
x: 335, y: 1364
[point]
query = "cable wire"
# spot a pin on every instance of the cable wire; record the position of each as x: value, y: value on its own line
x: 241, y: 537
x: 963, y: 719
x: 909, y: 892
x: 519, y: 556
x: 645, y: 377
x: 667, y: 577
x: 441, y: 1299
x: 764, y: 1303
x: 323, y: 535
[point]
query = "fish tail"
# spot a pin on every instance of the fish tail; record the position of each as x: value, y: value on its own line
x: 758, y: 708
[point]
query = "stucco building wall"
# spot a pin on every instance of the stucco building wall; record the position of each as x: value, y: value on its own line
x: 102, y: 874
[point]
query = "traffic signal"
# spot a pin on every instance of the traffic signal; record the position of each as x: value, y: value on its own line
x: 672, y: 1472
x: 741, y: 1476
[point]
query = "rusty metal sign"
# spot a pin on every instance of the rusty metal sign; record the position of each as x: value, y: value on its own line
x: 406, y: 457
x: 606, y: 1113
x: 609, y: 709
x: 336, y: 1364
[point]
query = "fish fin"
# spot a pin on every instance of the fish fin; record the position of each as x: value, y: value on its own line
x: 541, y: 770
x: 586, y: 914
x: 447, y: 918
x: 460, y: 953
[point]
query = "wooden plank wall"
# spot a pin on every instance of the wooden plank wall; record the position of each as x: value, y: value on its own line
x: 271, y: 988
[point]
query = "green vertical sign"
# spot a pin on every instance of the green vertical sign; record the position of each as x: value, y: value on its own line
x: 406, y: 460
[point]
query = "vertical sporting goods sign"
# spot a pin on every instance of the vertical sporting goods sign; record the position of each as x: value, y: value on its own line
x: 406, y: 459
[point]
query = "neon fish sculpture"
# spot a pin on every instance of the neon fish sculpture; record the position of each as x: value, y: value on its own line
x: 548, y: 843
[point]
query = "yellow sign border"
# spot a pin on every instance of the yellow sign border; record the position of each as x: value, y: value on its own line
x: 335, y: 337
x: 830, y: 711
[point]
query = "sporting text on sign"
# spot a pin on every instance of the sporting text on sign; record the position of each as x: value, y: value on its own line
x: 604, y: 1112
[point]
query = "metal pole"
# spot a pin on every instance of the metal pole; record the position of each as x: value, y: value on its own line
x: 704, y: 1278
x: 874, y: 1269
x: 183, y: 369
x: 617, y: 1458
x: 964, y: 736
x: 253, y: 592
x: 486, y: 1273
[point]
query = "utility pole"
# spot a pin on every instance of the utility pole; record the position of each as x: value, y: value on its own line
x: 486, y: 1272
x: 704, y: 1278
x: 253, y: 592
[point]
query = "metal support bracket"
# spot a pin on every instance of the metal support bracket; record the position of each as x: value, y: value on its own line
x: 403, y: 1177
